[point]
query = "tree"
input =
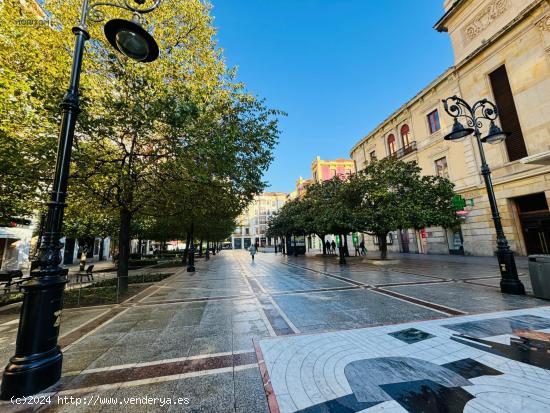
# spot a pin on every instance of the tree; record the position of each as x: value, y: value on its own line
x: 328, y: 210
x: 179, y: 122
x: 390, y: 194
x: 30, y: 92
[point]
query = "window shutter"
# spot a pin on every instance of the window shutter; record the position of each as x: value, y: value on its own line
x: 515, y: 144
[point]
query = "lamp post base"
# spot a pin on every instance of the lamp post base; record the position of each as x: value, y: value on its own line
x: 509, y: 283
x: 342, y: 258
x: 26, y: 376
x: 36, y: 364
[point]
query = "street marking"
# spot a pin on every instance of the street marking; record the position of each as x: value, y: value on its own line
x: 284, y: 316
x: 157, y: 371
x: 265, y: 301
x: 162, y: 379
x: 154, y: 363
x: 432, y: 306
x: 338, y: 277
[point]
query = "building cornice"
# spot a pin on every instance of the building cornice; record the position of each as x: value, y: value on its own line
x: 453, y: 69
x: 440, y: 24
x: 433, y: 84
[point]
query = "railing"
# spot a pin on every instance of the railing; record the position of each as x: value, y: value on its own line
x: 405, y: 150
x: 100, y: 288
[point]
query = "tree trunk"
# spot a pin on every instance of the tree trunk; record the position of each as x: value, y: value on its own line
x: 123, y: 250
x: 200, y: 248
x: 341, y: 254
x: 383, y: 246
x: 324, y: 245
x: 207, y: 251
x: 139, y: 246
x: 191, y: 260
x: 101, y: 249
x: 186, y: 250
x: 214, y: 248
x: 346, y: 250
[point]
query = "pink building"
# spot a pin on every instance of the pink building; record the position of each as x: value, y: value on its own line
x: 322, y: 170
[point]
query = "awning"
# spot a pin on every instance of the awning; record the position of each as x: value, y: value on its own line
x: 6, y: 233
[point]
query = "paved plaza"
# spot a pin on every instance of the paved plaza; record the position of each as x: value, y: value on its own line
x: 305, y: 334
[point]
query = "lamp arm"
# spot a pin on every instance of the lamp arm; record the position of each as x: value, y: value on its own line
x: 485, y: 109
x: 98, y: 15
x: 459, y: 108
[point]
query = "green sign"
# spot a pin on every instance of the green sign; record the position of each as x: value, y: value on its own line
x: 355, y: 238
x: 459, y: 203
x: 338, y: 241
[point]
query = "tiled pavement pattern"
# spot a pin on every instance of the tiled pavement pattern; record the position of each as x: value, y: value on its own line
x: 373, y: 370
x: 192, y: 335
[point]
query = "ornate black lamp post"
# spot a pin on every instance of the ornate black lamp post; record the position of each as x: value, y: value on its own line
x: 36, y: 364
x: 474, y: 115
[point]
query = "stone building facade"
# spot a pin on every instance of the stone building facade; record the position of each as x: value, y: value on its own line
x: 252, y: 223
x: 502, y: 53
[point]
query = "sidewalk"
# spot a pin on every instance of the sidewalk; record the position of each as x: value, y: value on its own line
x: 298, y: 329
x: 521, y: 262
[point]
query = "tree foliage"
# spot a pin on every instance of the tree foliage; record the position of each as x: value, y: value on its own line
x: 387, y: 195
x: 159, y: 147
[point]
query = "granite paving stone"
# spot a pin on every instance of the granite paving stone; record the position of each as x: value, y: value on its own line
x: 314, y: 294
x: 468, y: 297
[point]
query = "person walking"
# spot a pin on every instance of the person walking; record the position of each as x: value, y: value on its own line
x: 333, y: 247
x: 252, y: 250
x: 357, y: 250
x: 363, y: 249
x: 327, y: 246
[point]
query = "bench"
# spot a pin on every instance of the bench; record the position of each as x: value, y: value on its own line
x: 88, y: 274
x: 10, y: 278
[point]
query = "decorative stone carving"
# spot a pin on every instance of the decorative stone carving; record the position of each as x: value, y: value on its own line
x: 493, y: 10
x: 544, y: 24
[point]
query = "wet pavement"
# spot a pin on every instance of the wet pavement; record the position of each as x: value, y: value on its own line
x: 197, y: 337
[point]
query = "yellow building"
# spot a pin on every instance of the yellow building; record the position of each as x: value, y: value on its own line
x: 502, y: 53
x: 252, y: 223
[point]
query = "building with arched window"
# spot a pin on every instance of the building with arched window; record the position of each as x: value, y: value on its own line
x: 391, y: 144
x: 405, y: 135
x: 502, y: 53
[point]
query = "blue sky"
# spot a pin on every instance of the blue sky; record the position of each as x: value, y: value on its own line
x: 337, y: 67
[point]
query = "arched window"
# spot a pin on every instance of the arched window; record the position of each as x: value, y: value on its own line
x: 391, y: 144
x: 405, y: 137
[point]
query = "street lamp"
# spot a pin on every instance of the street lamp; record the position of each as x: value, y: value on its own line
x: 474, y: 115
x: 36, y: 364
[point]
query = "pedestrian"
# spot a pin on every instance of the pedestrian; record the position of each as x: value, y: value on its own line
x: 327, y: 246
x: 252, y: 250
x: 333, y: 247
x: 363, y: 249
x: 83, y: 257
x: 357, y: 250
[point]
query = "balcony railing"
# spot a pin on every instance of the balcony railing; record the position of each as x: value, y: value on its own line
x: 405, y: 150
